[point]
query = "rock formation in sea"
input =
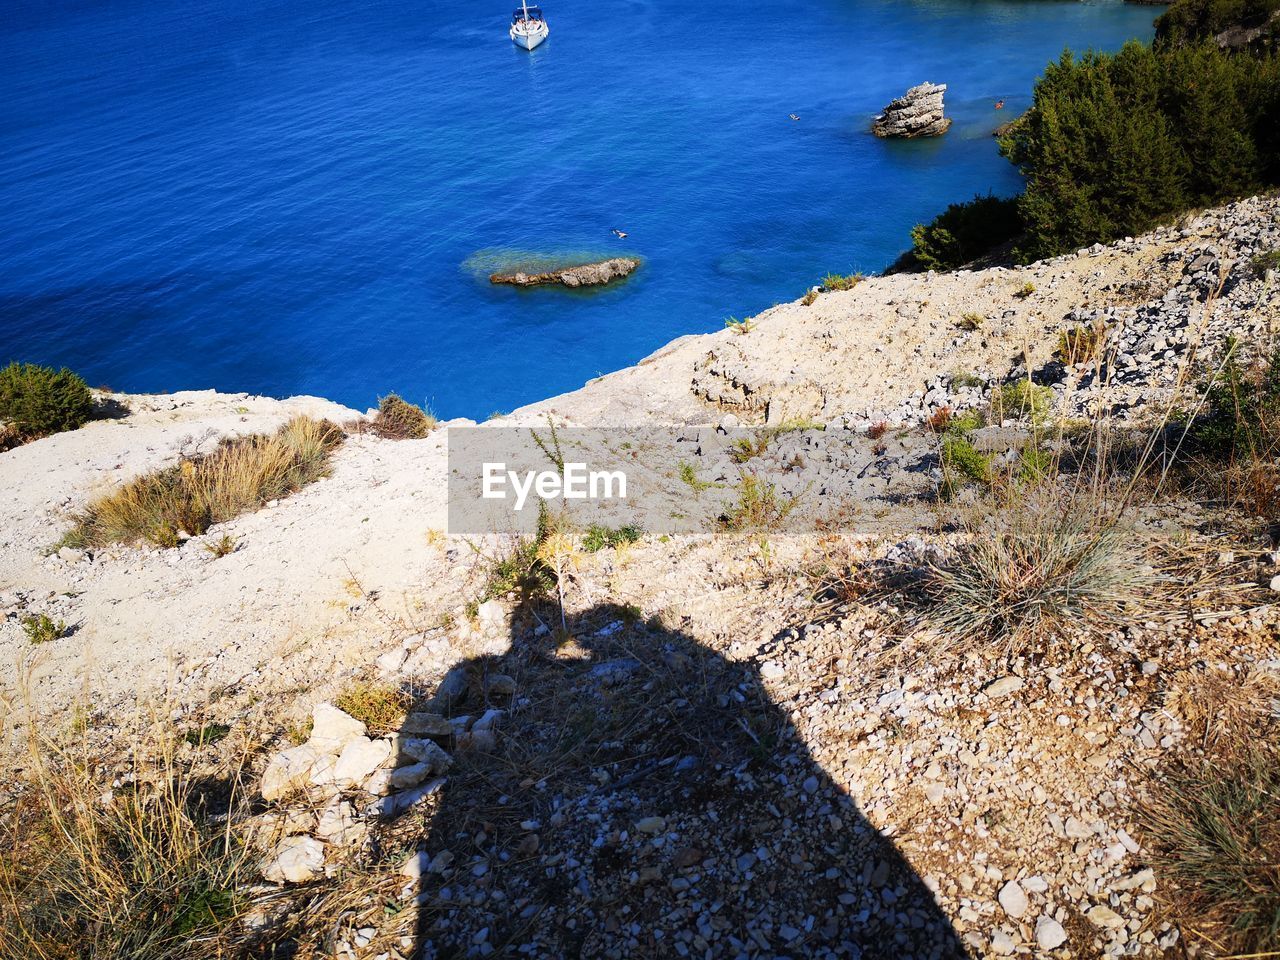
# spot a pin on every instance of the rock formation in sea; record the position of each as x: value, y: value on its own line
x: 583, y: 275
x: 917, y: 113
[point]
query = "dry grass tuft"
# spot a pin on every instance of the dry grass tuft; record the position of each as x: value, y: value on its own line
x: 1033, y: 568
x: 138, y: 873
x: 379, y: 706
x: 398, y: 419
x: 240, y: 476
x: 1215, y: 833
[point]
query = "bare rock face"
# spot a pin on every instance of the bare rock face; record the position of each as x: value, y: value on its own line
x: 584, y: 275
x: 917, y: 113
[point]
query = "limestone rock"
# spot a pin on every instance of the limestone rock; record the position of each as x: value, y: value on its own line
x: 583, y: 275
x: 1013, y: 899
x: 331, y: 729
x: 360, y: 758
x: 289, y: 771
x: 918, y: 113
x: 1049, y: 933
x: 295, y: 860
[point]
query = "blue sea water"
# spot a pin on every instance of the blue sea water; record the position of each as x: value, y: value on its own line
x: 290, y: 197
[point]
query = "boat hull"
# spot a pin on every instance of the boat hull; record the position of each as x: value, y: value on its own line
x: 527, y: 41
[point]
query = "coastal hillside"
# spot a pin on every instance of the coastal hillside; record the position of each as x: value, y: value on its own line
x: 985, y: 706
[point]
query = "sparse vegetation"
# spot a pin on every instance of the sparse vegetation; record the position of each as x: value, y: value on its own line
x: 971, y: 321
x: 877, y: 430
x: 598, y: 537
x: 1214, y: 829
x: 939, y: 420
x: 1036, y: 566
x: 961, y: 381
x: 689, y: 476
x: 224, y: 546
x: 240, y: 476
x: 41, y: 628
x: 810, y: 298
x: 1265, y: 261
x: 740, y: 326
x: 748, y: 448
x: 37, y: 401
x: 1079, y: 344
x: 1022, y: 399
x: 837, y: 281
x: 758, y: 507
x: 964, y: 232
x: 118, y: 873
x: 207, y: 735
x: 379, y: 706
x: 1025, y: 291
x: 397, y: 419
x: 962, y: 462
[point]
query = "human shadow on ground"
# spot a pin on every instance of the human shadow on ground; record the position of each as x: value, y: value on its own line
x: 644, y: 797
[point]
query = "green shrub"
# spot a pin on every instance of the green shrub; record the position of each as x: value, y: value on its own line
x: 39, y: 400
x: 41, y: 628
x: 838, y: 281
x: 398, y: 419
x: 962, y: 461
x: 1022, y: 399
x: 598, y: 536
x: 1115, y: 143
x: 1265, y: 261
x: 965, y: 231
x: 966, y: 422
x: 971, y: 321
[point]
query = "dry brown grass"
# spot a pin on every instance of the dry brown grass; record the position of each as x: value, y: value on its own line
x: 240, y: 476
x: 1213, y: 828
x: 134, y: 872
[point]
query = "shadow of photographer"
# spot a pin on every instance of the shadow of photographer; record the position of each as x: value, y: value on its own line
x: 639, y: 795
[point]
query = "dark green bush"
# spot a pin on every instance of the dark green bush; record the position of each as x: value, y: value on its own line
x: 39, y: 401
x: 1113, y: 144
x: 965, y: 231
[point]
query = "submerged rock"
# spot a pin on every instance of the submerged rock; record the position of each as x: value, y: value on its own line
x: 917, y: 113
x: 583, y: 275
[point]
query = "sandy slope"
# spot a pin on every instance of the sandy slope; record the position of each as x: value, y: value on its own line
x: 308, y: 589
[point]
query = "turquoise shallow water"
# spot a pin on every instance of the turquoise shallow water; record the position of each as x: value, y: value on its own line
x: 289, y: 197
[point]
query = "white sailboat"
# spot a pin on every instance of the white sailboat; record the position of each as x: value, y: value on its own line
x: 528, y: 26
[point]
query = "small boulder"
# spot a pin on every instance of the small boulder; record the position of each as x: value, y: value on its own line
x: 360, y: 758
x: 331, y: 729
x: 289, y: 771
x: 294, y: 860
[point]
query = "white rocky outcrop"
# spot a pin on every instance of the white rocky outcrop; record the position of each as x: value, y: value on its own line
x: 917, y: 113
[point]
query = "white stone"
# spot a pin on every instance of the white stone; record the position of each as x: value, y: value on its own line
x: 360, y: 758
x: 1104, y: 916
x: 338, y: 824
x: 426, y: 751
x: 288, y: 771
x: 331, y: 729
x: 1049, y: 933
x: 651, y: 825
x: 295, y: 860
x: 404, y: 777
x: 1004, y: 686
x: 1013, y: 899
